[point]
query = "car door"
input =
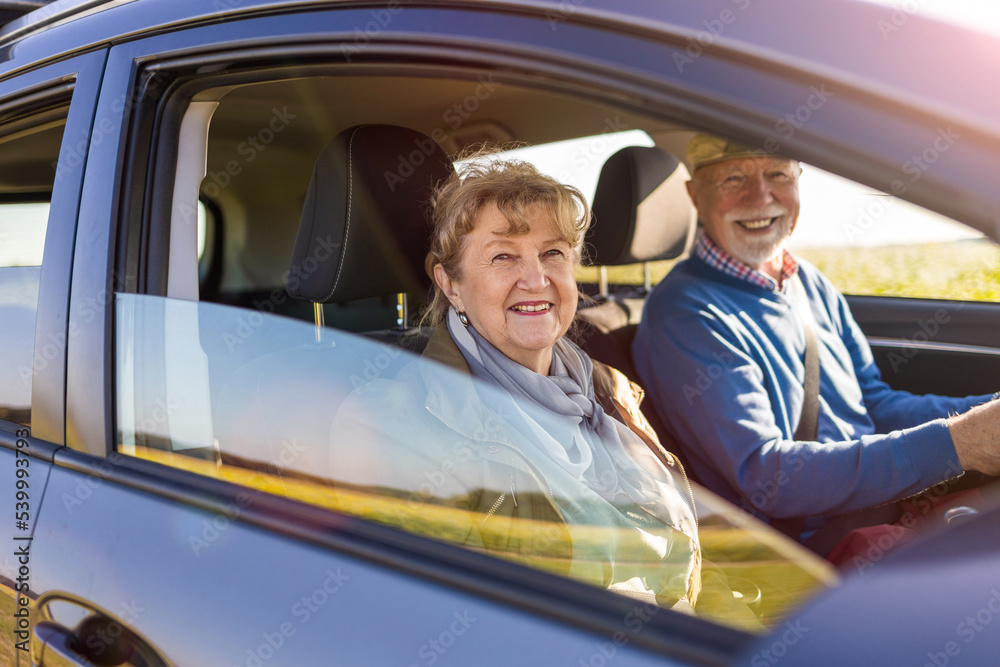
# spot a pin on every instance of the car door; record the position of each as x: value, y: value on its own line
x: 942, y: 346
x: 921, y: 286
x: 177, y: 563
x: 45, y: 118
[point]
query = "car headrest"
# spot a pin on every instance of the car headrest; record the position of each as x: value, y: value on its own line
x: 365, y: 226
x: 641, y: 209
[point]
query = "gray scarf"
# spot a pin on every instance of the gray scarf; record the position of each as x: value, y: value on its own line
x: 597, y: 449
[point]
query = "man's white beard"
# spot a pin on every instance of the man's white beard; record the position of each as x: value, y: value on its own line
x: 761, y: 251
x: 758, y: 250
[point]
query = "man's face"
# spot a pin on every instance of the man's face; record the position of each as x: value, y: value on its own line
x: 749, y: 206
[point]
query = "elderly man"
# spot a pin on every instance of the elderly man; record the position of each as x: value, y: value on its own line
x: 722, y: 352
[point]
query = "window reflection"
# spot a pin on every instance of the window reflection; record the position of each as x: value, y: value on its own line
x: 342, y: 424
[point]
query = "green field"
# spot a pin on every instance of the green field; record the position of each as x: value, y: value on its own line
x: 961, y: 270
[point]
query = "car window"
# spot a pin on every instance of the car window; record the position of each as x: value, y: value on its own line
x: 577, y: 162
x: 361, y: 427
x: 236, y: 380
x: 872, y: 243
x: 27, y: 154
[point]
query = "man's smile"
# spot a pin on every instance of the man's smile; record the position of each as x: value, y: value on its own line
x: 757, y: 223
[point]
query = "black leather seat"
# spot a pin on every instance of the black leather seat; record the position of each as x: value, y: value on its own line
x: 642, y: 213
x: 365, y: 230
x: 363, y: 233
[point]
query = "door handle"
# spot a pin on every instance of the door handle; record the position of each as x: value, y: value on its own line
x: 52, y: 646
x: 99, y: 640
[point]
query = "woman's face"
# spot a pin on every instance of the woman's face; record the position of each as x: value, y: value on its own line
x: 517, y: 291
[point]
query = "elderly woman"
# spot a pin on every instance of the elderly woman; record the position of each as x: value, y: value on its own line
x: 540, y: 453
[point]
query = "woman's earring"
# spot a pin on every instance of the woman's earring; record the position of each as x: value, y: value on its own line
x: 463, y: 318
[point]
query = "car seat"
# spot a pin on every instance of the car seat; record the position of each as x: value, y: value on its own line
x: 363, y: 233
x: 642, y: 213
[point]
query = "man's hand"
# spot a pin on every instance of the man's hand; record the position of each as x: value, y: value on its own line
x: 976, y: 435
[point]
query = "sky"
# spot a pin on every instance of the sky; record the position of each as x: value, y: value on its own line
x: 983, y: 15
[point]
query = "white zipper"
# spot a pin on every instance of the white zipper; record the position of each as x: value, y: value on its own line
x: 496, y: 506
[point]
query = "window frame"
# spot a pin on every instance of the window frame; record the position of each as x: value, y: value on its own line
x: 134, y: 65
x: 75, y: 82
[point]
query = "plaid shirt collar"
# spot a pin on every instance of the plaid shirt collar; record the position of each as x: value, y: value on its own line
x: 719, y: 259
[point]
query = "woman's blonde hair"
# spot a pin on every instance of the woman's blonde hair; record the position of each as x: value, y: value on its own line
x: 511, y: 185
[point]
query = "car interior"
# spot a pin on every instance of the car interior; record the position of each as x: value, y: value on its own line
x: 255, y: 151
x: 316, y: 214
x: 272, y: 193
x: 257, y: 178
x: 275, y: 177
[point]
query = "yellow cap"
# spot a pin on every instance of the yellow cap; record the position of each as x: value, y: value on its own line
x: 705, y: 149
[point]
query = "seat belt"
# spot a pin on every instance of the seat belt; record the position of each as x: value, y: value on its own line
x: 809, y: 417
x: 834, y: 530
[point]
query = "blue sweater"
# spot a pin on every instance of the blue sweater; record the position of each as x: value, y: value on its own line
x: 721, y: 360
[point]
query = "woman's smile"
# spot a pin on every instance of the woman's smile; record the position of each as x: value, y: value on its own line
x: 532, y: 308
x: 517, y: 290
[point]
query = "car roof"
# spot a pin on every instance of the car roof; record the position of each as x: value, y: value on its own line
x: 876, y: 48
x: 11, y: 10
x: 883, y: 51
x: 19, y: 17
